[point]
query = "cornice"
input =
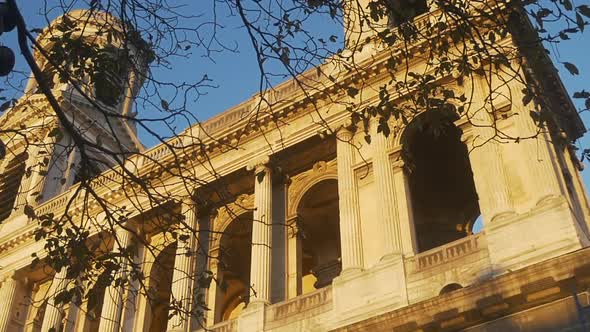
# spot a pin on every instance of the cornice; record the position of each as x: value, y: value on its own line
x: 227, y: 128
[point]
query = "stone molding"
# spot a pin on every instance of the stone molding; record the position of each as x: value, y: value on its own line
x: 229, y: 212
x: 302, y: 182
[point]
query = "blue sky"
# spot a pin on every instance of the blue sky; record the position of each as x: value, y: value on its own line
x: 236, y: 75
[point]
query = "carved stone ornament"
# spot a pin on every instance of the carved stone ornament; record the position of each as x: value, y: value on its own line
x: 229, y: 212
x: 302, y: 182
x: 259, y: 164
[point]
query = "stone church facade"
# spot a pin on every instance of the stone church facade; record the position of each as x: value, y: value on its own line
x: 350, y: 239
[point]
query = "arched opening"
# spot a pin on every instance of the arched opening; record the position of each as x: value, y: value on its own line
x: 444, y: 200
x: 234, y: 268
x: 160, y: 288
x: 405, y: 10
x: 319, y: 231
x: 450, y: 288
x: 10, y: 180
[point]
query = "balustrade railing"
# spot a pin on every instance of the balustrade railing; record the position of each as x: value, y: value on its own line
x: 450, y: 251
x: 300, y: 304
x: 227, y: 326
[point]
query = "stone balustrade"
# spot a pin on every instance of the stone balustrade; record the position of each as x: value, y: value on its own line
x: 464, y: 262
x: 227, y: 326
x: 450, y: 251
x: 316, y: 302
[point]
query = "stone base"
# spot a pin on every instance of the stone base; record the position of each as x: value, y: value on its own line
x: 547, y: 231
x: 357, y: 294
x: 252, y: 318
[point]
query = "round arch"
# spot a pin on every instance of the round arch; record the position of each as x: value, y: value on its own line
x: 302, y: 183
x: 442, y: 190
x: 160, y: 287
x: 228, y: 214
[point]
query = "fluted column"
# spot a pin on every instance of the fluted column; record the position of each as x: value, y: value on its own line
x: 112, y: 307
x: 54, y: 312
x: 350, y: 225
x: 24, y: 189
x: 294, y: 258
x: 260, y: 270
x: 488, y: 175
x: 404, y: 209
x: 212, y: 292
x: 384, y: 179
x: 184, y: 263
x: 543, y: 175
x: 7, y: 297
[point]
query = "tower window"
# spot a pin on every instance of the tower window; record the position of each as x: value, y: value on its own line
x: 402, y: 11
x: 10, y: 181
x: 444, y: 201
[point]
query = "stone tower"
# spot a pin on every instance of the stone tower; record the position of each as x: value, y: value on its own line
x: 330, y: 232
x: 46, y: 162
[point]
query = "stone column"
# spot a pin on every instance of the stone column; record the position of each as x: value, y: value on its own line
x: 488, y: 175
x: 294, y: 257
x: 384, y: 180
x: 350, y: 225
x: 184, y: 263
x: 404, y: 209
x: 260, y: 270
x: 112, y: 307
x: 53, y: 312
x: 7, y: 297
x: 213, y: 287
x: 24, y: 189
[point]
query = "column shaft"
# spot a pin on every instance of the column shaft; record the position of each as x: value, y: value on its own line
x: 182, y: 278
x: 261, y: 235
x: 26, y: 182
x: 112, y: 307
x: 212, y: 292
x: 404, y: 210
x: 294, y: 259
x: 7, y: 298
x: 350, y: 228
x: 383, y: 171
x: 53, y: 312
x: 490, y: 180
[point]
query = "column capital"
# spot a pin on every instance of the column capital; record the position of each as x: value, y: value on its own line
x: 8, y: 275
x: 259, y: 164
x: 344, y: 133
x: 293, y: 226
x: 399, y: 163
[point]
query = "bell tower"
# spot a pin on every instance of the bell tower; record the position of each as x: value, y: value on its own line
x: 365, y: 19
x: 94, y: 70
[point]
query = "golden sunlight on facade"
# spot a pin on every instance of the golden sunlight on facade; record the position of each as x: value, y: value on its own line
x: 354, y: 236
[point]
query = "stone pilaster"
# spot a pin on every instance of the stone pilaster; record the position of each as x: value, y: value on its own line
x: 404, y: 209
x: 8, y: 291
x: 488, y: 175
x: 54, y: 312
x: 184, y: 264
x: 260, y: 270
x: 294, y: 258
x: 213, y: 287
x: 112, y: 307
x: 384, y: 180
x: 542, y: 179
x: 26, y: 183
x: 350, y: 228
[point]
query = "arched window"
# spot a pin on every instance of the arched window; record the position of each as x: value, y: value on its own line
x: 444, y: 201
x: 319, y: 232
x: 233, y: 275
x: 450, y: 288
x: 401, y: 11
x: 160, y: 288
x: 10, y: 180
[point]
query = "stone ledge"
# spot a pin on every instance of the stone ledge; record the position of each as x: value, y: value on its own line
x: 528, y: 288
